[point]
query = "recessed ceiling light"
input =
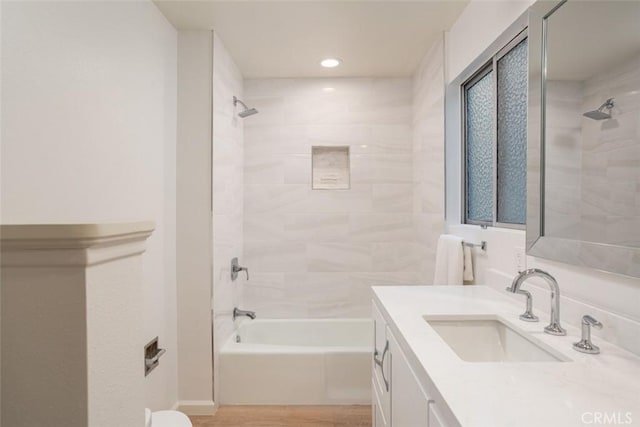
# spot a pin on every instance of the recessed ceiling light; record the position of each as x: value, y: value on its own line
x: 330, y: 62
x: 328, y: 89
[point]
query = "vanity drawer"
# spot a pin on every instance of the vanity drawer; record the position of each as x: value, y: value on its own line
x: 409, y: 402
x: 380, y: 414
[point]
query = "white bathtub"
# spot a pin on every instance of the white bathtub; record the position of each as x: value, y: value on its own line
x: 298, y: 362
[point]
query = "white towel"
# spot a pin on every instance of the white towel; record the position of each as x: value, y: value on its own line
x: 449, y: 261
x: 468, y: 264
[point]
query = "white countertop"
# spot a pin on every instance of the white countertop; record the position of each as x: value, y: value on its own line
x: 535, y: 394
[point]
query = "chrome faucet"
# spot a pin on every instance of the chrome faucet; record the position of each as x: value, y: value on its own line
x: 237, y: 312
x: 585, y: 345
x: 554, y: 327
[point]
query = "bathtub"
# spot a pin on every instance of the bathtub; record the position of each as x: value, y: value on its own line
x: 297, y: 362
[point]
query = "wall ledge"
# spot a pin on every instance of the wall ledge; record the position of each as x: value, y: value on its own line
x: 48, y: 245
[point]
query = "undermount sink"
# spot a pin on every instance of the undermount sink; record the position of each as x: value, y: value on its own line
x: 490, y: 339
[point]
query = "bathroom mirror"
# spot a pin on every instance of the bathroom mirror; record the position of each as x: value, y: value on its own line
x: 583, y: 185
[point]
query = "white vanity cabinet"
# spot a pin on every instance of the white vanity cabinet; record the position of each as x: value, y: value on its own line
x: 399, y: 399
x: 409, y: 403
x: 381, y: 365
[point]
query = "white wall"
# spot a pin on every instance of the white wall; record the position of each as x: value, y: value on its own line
x: 428, y: 156
x: 194, y: 250
x: 481, y: 22
x: 315, y: 253
x: 563, y: 165
x: 88, y: 135
x: 227, y: 195
x: 614, y: 300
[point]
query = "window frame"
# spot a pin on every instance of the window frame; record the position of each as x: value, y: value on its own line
x: 491, y: 65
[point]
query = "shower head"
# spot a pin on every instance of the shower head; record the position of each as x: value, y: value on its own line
x: 599, y: 114
x: 247, y: 111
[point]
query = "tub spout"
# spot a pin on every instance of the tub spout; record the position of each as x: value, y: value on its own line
x: 237, y: 312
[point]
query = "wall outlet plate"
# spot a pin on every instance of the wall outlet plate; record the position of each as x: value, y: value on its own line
x: 520, y: 259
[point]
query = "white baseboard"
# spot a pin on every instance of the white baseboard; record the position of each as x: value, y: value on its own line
x: 197, y: 407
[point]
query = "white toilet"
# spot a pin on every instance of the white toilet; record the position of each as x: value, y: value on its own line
x: 166, y: 419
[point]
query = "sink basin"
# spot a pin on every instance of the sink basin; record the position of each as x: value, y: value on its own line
x: 490, y: 339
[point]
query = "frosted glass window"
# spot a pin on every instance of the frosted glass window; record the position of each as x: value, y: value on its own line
x: 479, y: 135
x: 495, y: 139
x: 512, y: 135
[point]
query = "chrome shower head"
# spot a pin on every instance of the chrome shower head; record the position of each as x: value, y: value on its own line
x: 599, y: 114
x: 247, y: 111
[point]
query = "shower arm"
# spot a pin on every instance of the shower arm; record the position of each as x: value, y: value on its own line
x: 236, y: 101
x: 608, y: 104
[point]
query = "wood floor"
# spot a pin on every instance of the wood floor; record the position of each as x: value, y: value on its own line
x: 287, y: 416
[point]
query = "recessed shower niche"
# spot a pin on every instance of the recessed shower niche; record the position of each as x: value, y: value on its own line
x: 330, y: 168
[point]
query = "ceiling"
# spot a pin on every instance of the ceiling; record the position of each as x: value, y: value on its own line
x: 289, y: 38
x: 588, y: 38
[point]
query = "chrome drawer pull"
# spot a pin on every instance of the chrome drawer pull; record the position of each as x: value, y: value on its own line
x: 381, y: 363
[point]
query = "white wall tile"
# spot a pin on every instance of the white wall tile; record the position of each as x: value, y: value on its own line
x: 381, y: 227
x: 319, y: 238
x: 264, y: 169
x: 227, y: 193
x: 264, y: 226
x: 316, y: 227
x: 327, y: 257
x: 275, y: 256
x: 392, y: 198
x: 357, y: 199
x: 297, y: 168
x: 381, y: 168
x: 262, y: 199
x: 323, y: 295
x: 396, y: 256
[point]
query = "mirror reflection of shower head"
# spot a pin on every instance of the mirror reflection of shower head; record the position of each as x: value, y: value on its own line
x: 599, y: 114
x: 247, y: 111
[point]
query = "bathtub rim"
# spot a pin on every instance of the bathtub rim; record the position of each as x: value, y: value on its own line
x: 233, y: 347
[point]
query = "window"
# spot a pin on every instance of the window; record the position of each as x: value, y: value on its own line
x: 494, y: 107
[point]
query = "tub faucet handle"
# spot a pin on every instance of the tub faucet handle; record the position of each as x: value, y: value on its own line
x: 237, y: 313
x: 236, y: 268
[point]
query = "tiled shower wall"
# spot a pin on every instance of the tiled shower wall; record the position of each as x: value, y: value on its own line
x: 227, y: 189
x: 592, y: 165
x: 611, y: 157
x: 315, y: 253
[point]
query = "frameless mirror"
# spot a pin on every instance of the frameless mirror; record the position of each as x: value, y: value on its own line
x: 584, y: 134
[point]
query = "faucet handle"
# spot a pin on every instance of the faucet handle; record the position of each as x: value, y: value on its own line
x: 236, y: 268
x: 528, y: 315
x: 588, y: 320
x: 585, y: 345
